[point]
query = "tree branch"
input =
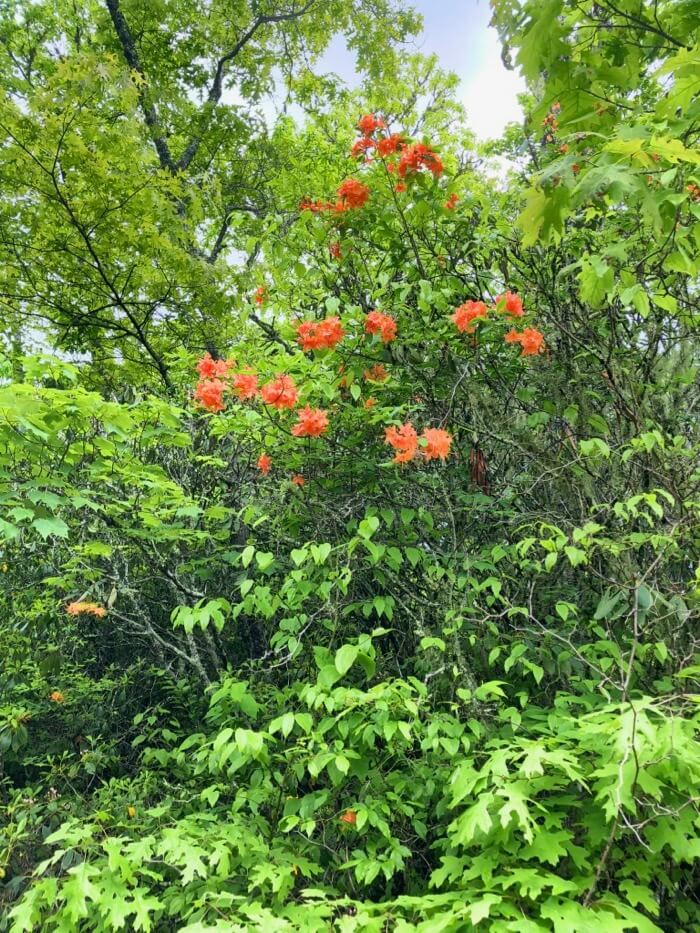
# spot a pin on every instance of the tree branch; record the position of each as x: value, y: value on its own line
x: 131, y: 55
x: 217, y: 85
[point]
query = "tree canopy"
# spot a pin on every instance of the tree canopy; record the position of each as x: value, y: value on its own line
x: 349, y: 544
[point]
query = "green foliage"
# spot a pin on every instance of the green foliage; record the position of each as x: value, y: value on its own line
x: 332, y: 690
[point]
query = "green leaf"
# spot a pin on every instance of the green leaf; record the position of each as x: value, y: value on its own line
x: 345, y: 658
x: 476, y: 819
x: 264, y: 559
x: 607, y: 603
x: 576, y: 555
x: 368, y: 526
x: 51, y: 526
x: 320, y: 552
x: 596, y: 280
x: 299, y: 555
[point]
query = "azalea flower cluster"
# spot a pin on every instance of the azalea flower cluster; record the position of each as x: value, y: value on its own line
x: 412, y: 156
x: 530, y: 339
x: 280, y: 392
x: 327, y: 334
x: 351, y: 195
x: 79, y: 608
x: 216, y: 378
x: 311, y: 422
x: 433, y: 443
x: 382, y: 325
x: 320, y: 335
x: 467, y: 316
x: 376, y: 373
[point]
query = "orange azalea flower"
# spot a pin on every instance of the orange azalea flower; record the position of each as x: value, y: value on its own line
x: 208, y: 367
x: 56, y: 697
x: 418, y: 156
x: 389, y: 144
x: 298, y: 479
x: 466, y: 314
x: 319, y: 335
x: 281, y: 392
x: 371, y: 402
x: 264, y: 464
x: 361, y: 145
x: 316, y: 207
x: 306, y: 335
x: 451, y: 202
x: 401, y: 187
x: 531, y: 341
x: 208, y: 393
x: 369, y: 123
x: 376, y: 373
x: 382, y: 324
x: 335, y: 250
x: 312, y: 422
x: 330, y: 332
x: 564, y: 148
x: 349, y: 817
x: 76, y: 609
x: 245, y: 385
x: 259, y: 294
x: 352, y: 194
x: 404, y: 440
x: 575, y: 168
x: 511, y: 303
x: 438, y: 444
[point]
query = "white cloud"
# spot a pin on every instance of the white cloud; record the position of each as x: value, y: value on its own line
x: 490, y: 91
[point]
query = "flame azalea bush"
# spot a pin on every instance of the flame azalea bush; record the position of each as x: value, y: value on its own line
x: 365, y: 599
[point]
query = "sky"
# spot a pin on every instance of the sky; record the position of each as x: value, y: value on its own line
x: 457, y: 31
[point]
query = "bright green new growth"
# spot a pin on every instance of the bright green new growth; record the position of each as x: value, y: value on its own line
x: 347, y: 693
